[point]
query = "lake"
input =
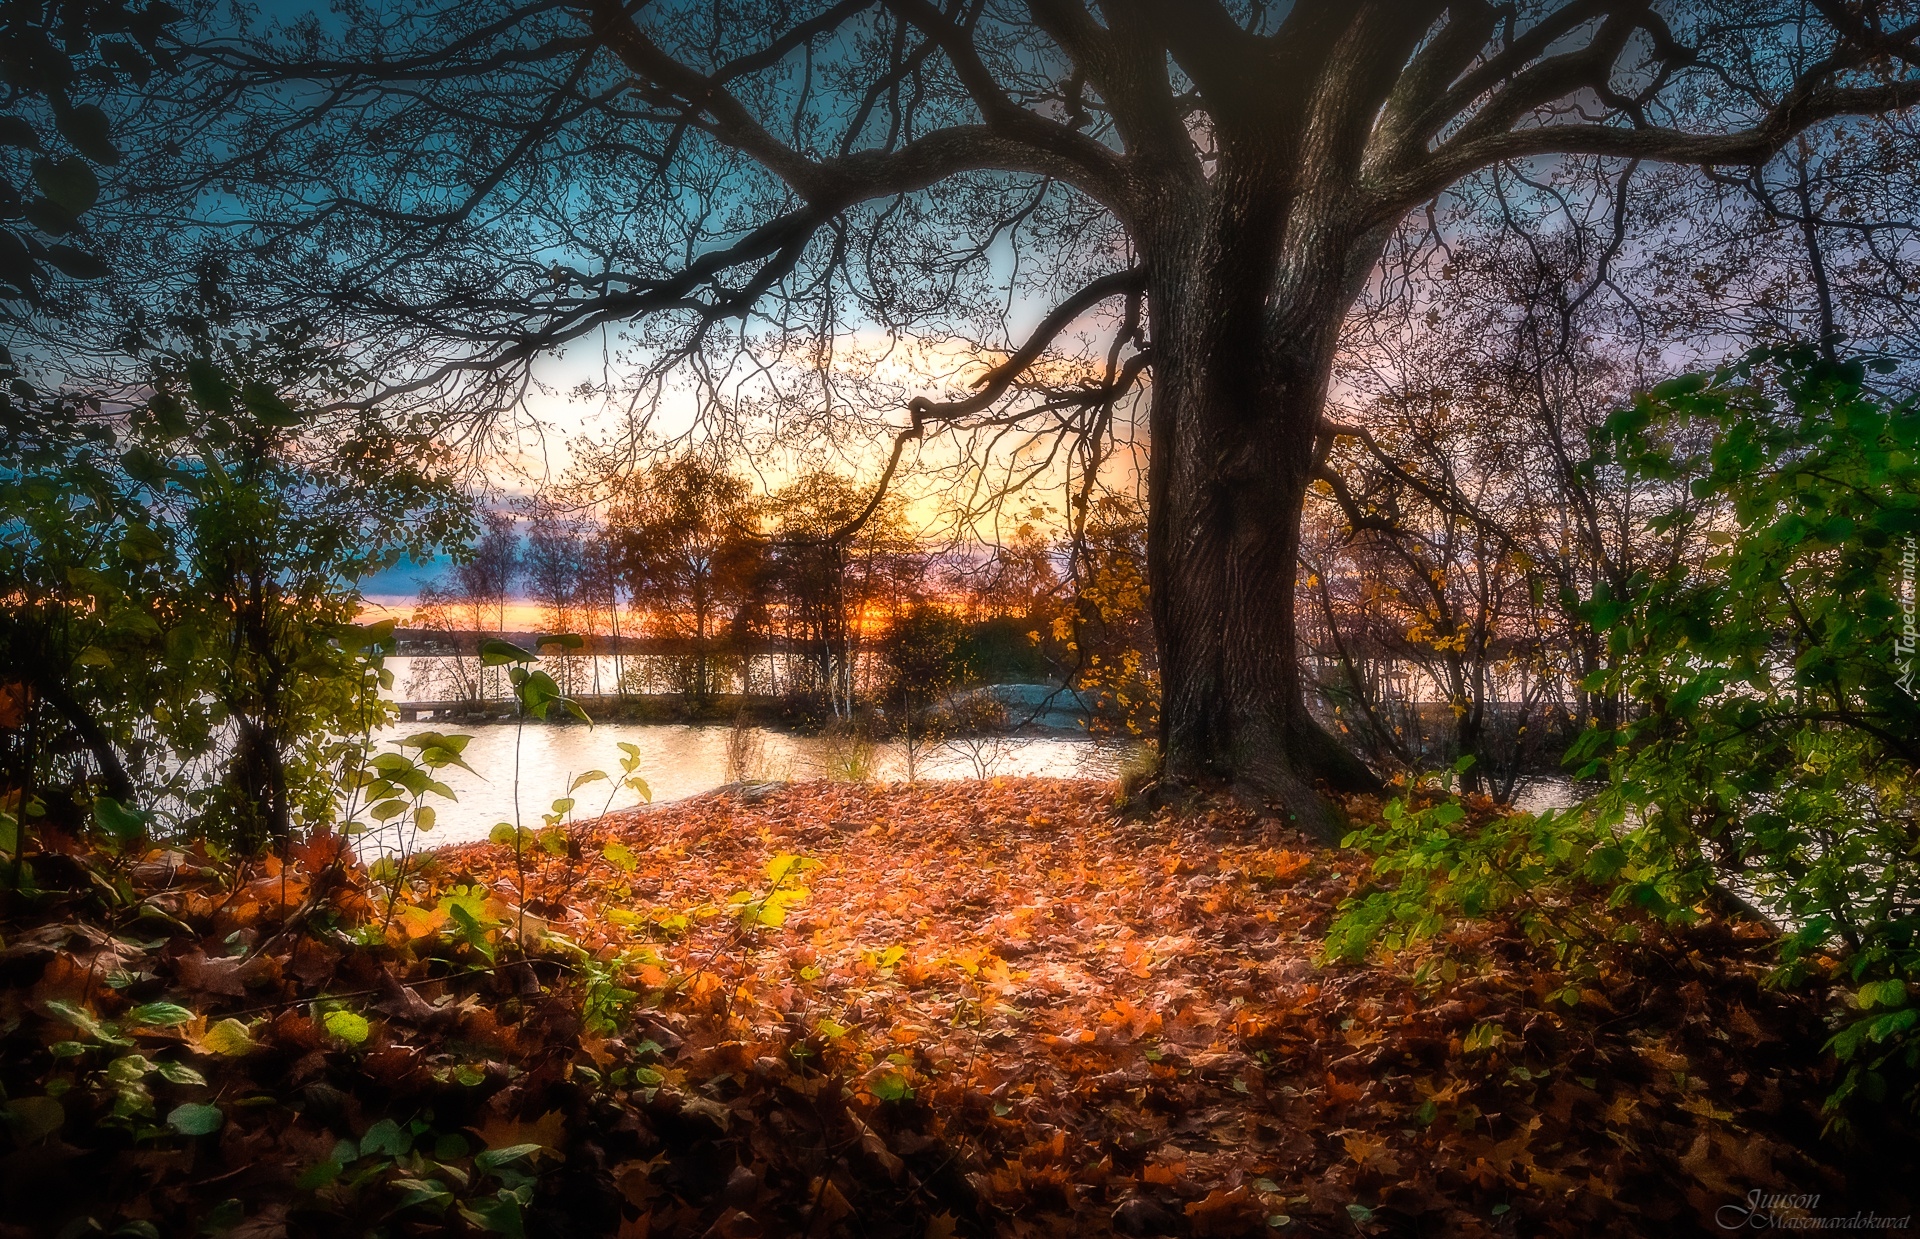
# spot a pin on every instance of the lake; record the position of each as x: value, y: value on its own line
x: 685, y: 759
x: 682, y: 759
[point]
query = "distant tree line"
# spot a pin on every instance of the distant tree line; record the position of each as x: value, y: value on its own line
x: 784, y: 596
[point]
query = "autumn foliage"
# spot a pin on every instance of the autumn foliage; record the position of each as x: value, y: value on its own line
x: 964, y: 1008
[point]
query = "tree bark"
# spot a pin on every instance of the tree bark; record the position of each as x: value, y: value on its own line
x: 1242, y: 361
x: 259, y: 775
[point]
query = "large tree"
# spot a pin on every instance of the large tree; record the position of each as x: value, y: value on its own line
x: 466, y: 186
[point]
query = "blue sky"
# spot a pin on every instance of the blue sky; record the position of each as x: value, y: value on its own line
x: 401, y: 583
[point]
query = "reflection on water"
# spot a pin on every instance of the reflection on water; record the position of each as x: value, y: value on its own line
x: 1553, y: 791
x: 680, y: 759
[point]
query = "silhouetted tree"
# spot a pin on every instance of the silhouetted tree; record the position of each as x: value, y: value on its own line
x: 833, y: 578
x: 688, y: 553
x: 485, y: 581
x: 1205, y: 185
x: 926, y: 656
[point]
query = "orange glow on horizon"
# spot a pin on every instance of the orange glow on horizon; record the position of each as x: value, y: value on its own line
x: 523, y: 616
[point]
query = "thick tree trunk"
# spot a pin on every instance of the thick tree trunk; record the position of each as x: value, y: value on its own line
x: 1240, y: 375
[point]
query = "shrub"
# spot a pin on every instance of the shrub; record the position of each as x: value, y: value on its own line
x: 1773, y: 749
x: 1768, y: 757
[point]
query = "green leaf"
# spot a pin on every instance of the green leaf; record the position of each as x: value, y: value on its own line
x: 891, y: 1086
x: 421, y: 1192
x: 1893, y: 1023
x: 1889, y: 993
x: 18, y: 267
x: 194, y: 1119
x: 347, y: 1026
x: 123, y: 824
x: 497, y: 653
x: 129, y: 1069
x: 318, y: 1175
x: 437, y: 750
x: 211, y: 390
x: 179, y: 1073
x: 537, y: 690
x: 500, y: 1215
x: 266, y: 405
x: 376, y: 638
x: 50, y: 218
x: 492, y: 1159
x: 85, y: 1022
x: 158, y: 1015
x: 1683, y: 385
x: 780, y: 867
x: 385, y: 1138
x: 470, y: 929
x: 141, y: 542
x: 90, y: 132
x: 69, y: 183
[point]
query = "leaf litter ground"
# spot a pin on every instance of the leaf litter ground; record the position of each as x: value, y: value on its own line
x: 826, y: 1009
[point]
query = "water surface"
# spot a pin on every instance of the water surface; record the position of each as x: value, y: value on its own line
x: 684, y: 759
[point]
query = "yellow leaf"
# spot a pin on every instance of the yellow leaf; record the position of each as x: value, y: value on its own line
x: 347, y: 1026
x: 229, y: 1037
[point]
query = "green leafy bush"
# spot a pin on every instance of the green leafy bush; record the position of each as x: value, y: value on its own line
x: 1443, y: 859
x: 1768, y: 757
x: 1774, y: 743
x: 178, y: 587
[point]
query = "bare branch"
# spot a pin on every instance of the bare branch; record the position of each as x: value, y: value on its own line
x: 995, y: 382
x: 1039, y: 147
x: 1808, y: 104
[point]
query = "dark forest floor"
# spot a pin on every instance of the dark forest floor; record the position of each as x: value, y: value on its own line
x: 999, y: 1008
